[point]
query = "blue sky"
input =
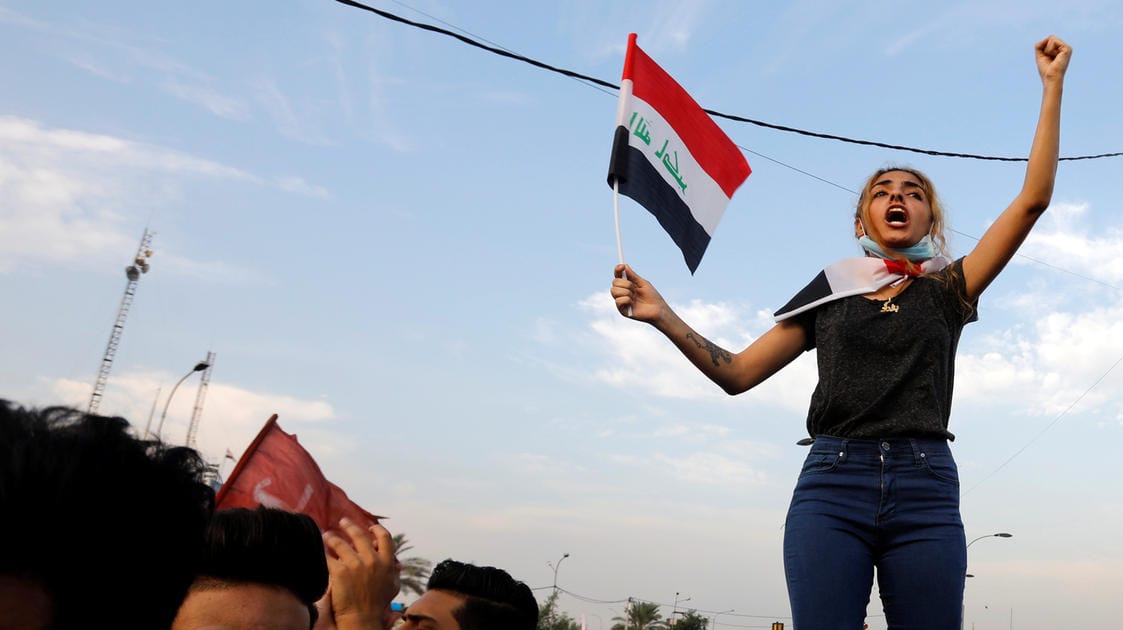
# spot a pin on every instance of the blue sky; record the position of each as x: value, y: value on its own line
x: 402, y: 245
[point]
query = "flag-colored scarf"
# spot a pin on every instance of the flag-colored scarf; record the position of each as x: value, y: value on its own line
x: 855, y: 276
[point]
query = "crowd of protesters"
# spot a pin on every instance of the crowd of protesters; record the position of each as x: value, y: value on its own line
x: 102, y: 529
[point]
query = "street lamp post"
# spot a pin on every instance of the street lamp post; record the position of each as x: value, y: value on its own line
x: 199, y: 367
x: 998, y: 535
x: 963, y: 606
x: 555, y: 567
x: 675, y: 610
x: 552, y: 603
x: 713, y: 621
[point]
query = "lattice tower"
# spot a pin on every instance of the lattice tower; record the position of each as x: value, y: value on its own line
x: 200, y: 396
x: 137, y: 268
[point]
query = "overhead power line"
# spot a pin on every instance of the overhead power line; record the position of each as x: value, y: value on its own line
x: 760, y: 123
x: 1060, y: 416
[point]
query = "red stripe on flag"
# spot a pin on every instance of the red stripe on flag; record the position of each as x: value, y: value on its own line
x: 711, y: 148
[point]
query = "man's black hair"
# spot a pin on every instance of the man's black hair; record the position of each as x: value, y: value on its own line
x: 267, y: 546
x: 492, y: 598
x: 109, y: 525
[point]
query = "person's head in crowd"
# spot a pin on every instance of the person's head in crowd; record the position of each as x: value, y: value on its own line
x: 462, y: 596
x: 97, y: 528
x: 262, y: 568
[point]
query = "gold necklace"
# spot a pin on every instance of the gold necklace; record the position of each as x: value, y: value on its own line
x: 888, y: 306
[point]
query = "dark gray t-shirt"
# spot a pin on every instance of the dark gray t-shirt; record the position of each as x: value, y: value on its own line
x: 886, y: 372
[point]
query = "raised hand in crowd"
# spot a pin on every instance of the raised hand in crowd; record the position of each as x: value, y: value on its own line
x: 365, y: 577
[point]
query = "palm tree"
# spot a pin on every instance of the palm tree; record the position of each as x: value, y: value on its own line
x: 550, y: 618
x: 641, y: 616
x: 415, y: 570
x: 690, y: 620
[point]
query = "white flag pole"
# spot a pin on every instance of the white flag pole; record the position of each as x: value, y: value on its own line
x: 622, y: 106
x: 616, y: 215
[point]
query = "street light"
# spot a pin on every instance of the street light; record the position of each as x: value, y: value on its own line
x: 998, y: 535
x: 963, y: 607
x: 199, y: 367
x: 555, y: 567
x: 713, y: 621
x: 675, y: 610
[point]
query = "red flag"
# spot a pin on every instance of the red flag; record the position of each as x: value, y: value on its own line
x: 671, y: 157
x: 276, y: 471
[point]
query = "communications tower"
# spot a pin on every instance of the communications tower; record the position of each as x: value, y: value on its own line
x: 133, y: 272
x: 196, y: 414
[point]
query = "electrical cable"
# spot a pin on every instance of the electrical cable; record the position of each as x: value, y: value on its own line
x: 503, y: 52
x: 1043, y: 431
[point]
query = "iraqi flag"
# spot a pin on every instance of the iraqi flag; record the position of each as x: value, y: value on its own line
x: 276, y: 471
x: 671, y: 157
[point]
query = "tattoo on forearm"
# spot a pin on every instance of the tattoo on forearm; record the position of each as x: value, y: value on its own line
x: 716, y: 352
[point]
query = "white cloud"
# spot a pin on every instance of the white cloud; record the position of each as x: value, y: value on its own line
x: 208, y: 98
x: 213, y: 271
x: 11, y: 17
x: 1069, y: 237
x: 638, y: 358
x: 540, y: 464
x: 109, y: 40
x: 70, y: 195
x: 1074, y: 332
x: 664, y: 26
x: 37, y: 144
x: 299, y: 186
x: 285, y: 116
x: 726, y: 465
x: 696, y: 433
x: 381, y: 117
x: 231, y: 416
x: 672, y: 24
x: 964, y: 22
x: 674, y: 430
x: 1049, y: 367
x: 337, y: 45
x: 85, y: 62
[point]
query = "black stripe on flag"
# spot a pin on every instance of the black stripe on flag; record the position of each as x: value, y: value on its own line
x: 817, y: 289
x: 640, y: 181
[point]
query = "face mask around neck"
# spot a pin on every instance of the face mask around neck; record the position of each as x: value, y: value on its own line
x: 922, y: 250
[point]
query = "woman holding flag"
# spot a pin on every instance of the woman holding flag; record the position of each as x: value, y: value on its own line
x: 879, y: 487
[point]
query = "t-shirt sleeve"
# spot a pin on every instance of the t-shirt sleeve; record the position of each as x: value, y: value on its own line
x: 806, y: 321
x: 957, y: 306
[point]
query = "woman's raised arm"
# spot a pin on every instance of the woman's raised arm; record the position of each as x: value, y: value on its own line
x: 1003, y: 238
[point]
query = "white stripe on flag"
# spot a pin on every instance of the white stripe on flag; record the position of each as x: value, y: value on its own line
x: 651, y: 134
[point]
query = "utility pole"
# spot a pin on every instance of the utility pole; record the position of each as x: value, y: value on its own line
x: 136, y: 268
x: 200, y: 396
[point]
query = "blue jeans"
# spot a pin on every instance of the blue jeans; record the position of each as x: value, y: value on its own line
x: 891, y: 504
